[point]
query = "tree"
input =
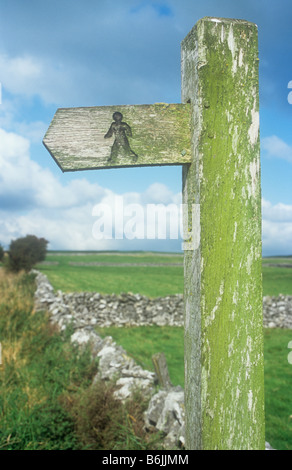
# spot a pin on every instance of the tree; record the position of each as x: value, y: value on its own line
x: 25, y: 252
x: 1, y: 253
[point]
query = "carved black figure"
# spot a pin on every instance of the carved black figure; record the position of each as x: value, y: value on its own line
x: 121, y: 130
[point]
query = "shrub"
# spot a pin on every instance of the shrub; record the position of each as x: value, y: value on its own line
x: 1, y: 253
x: 25, y: 252
x: 102, y: 422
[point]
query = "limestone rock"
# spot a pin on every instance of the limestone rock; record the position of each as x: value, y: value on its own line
x: 166, y: 413
x: 84, y: 336
x: 128, y: 385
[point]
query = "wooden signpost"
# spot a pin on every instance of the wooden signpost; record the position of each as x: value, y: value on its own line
x: 214, y: 135
x: 120, y: 136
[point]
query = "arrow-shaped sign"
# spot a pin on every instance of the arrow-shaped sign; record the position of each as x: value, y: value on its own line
x: 120, y: 136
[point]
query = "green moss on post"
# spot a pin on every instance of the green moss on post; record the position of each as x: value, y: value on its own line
x: 224, y: 382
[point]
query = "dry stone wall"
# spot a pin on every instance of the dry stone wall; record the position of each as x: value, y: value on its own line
x: 277, y: 311
x: 86, y: 310
x: 94, y: 309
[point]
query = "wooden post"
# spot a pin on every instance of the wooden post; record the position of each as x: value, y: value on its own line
x: 161, y: 369
x: 224, y: 383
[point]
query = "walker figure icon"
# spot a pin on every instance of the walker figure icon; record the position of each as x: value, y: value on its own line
x: 121, y: 130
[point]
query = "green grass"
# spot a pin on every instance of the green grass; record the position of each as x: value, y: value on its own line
x: 150, y: 281
x: 277, y: 280
x: 153, y: 281
x: 114, y: 257
x: 47, y: 400
x: 38, y: 367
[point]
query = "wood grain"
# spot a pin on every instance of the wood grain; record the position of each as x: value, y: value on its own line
x: 224, y: 381
x: 160, y: 136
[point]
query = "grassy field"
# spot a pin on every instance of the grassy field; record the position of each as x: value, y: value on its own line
x: 277, y: 280
x: 39, y: 376
x: 151, y: 274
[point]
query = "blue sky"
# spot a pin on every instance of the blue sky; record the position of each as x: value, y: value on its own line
x: 69, y: 53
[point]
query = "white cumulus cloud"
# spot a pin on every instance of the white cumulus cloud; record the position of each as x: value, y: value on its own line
x: 20, y: 74
x: 277, y: 148
x: 276, y: 228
